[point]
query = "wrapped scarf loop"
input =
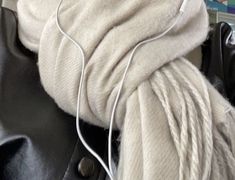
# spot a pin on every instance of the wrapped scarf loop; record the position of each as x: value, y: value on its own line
x: 173, y: 123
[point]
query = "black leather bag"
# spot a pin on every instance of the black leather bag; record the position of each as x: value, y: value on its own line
x: 38, y: 141
x: 219, y: 60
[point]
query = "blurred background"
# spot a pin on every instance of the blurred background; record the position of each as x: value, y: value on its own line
x: 222, y: 10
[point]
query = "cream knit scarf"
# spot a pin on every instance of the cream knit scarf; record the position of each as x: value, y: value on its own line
x: 173, y: 123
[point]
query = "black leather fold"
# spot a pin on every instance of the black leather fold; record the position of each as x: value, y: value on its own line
x: 219, y: 60
x: 38, y: 141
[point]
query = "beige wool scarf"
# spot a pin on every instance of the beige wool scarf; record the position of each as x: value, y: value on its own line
x: 173, y: 123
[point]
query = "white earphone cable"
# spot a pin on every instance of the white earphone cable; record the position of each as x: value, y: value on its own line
x: 109, y: 170
x: 79, y: 94
x: 181, y: 11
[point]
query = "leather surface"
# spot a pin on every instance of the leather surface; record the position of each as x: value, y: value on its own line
x: 219, y: 60
x: 38, y: 141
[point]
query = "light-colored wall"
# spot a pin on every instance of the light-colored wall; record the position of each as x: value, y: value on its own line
x: 195, y: 57
x: 10, y: 4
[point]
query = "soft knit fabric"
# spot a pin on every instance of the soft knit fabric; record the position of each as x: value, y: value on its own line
x: 32, y: 16
x: 173, y: 123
